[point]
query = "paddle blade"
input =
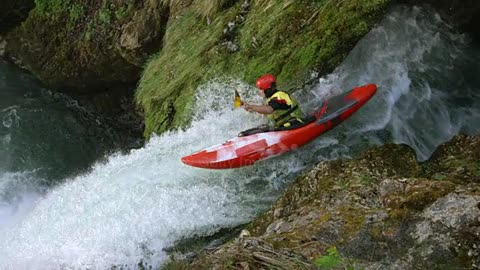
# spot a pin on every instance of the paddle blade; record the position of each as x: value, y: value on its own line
x: 237, y: 102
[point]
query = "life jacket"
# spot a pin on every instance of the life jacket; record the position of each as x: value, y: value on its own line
x: 282, y: 117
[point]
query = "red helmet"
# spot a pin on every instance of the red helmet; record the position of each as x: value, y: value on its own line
x: 266, y: 82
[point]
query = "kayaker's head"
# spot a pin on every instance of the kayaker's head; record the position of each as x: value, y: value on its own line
x: 266, y: 85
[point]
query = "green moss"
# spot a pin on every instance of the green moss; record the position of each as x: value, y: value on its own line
x: 51, y: 8
x: 333, y: 260
x: 354, y: 219
x: 76, y: 11
x: 289, y: 40
x: 467, y: 163
x: 124, y: 11
x: 439, y: 176
x: 330, y: 260
x: 367, y: 180
x: 420, y: 194
x: 169, y: 81
x: 105, y: 15
x: 69, y: 33
x: 176, y: 265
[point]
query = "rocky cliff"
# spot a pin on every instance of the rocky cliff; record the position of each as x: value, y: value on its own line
x: 382, y: 210
x: 98, y: 50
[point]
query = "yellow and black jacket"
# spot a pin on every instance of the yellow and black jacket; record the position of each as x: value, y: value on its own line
x: 286, y: 109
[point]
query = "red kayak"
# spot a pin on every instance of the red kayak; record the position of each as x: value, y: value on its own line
x: 246, y: 150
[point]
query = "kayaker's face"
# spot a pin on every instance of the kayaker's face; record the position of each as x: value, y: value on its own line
x: 261, y: 93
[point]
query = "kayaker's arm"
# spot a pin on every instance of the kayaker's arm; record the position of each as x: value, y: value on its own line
x: 263, y: 109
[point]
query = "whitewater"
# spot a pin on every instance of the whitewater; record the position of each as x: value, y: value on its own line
x: 130, y: 207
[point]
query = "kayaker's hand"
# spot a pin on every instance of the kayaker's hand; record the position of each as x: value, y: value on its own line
x: 247, y: 107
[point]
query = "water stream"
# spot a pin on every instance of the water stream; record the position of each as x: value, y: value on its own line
x: 130, y: 207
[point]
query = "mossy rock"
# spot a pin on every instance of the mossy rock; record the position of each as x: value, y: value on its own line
x: 75, y: 46
x: 380, y: 223
x: 287, y: 38
x: 456, y: 161
x: 13, y: 12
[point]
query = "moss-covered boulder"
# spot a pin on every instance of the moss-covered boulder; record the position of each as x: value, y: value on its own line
x: 245, y: 39
x: 80, y: 46
x: 382, y: 210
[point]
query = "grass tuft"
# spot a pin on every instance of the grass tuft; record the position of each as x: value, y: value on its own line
x: 287, y: 38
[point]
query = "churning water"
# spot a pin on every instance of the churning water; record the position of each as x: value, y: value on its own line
x: 130, y: 207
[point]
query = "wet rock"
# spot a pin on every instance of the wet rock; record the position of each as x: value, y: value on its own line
x: 391, y: 186
x: 143, y: 35
x: 3, y: 44
x: 449, y: 231
x: 455, y: 212
x: 95, y: 56
x: 409, y: 223
x: 412, y: 193
x: 456, y: 161
x: 244, y: 234
x: 13, y: 12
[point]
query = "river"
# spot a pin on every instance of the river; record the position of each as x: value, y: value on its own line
x: 60, y: 211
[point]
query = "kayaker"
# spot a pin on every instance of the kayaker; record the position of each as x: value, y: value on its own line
x: 283, y: 110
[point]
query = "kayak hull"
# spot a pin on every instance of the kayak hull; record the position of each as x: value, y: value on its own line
x: 245, y: 151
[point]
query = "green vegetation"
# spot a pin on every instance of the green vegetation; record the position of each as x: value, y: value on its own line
x: 210, y: 8
x: 102, y: 16
x: 124, y: 11
x: 371, y: 219
x: 333, y: 260
x: 105, y: 15
x: 76, y: 11
x: 51, y: 8
x: 367, y: 180
x: 176, y: 265
x: 344, y: 184
x: 77, y: 41
x: 467, y: 164
x: 201, y: 7
x: 287, y: 38
x: 330, y: 260
x: 439, y: 176
x: 169, y: 81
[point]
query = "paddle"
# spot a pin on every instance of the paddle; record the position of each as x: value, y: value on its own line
x: 237, y: 101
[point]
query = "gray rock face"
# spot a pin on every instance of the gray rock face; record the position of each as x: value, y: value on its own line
x: 99, y: 50
x: 450, y: 225
x: 143, y: 35
x: 401, y: 219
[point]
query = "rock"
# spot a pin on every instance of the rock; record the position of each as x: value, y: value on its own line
x: 455, y: 212
x: 390, y: 186
x: 143, y: 35
x: 449, y: 232
x: 244, y: 233
x: 3, y: 44
x: 423, y: 223
x: 13, y: 12
x: 231, y: 47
